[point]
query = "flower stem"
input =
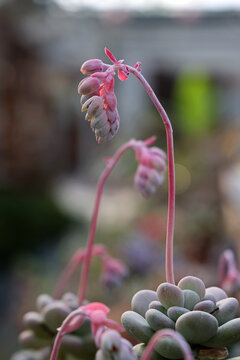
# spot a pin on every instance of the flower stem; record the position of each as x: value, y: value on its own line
x: 110, y: 166
x: 175, y: 335
x: 76, y: 260
x: 61, y: 332
x: 171, y: 174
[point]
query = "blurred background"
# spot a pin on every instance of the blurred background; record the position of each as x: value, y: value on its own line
x: 50, y: 162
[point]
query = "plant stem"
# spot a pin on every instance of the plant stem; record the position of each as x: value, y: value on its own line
x: 61, y: 333
x: 171, y: 174
x: 76, y: 260
x: 110, y: 166
x: 168, y: 332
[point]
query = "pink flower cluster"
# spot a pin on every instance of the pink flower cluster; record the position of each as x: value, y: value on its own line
x: 151, y: 169
x: 98, y: 96
x: 99, y: 99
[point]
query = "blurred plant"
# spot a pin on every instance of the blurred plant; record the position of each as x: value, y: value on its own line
x: 26, y: 215
x: 113, y: 270
x: 141, y: 254
x: 229, y: 275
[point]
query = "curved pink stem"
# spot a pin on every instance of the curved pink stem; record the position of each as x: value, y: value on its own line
x: 76, y: 260
x: 61, y: 333
x: 171, y: 173
x: 175, y: 335
x: 110, y: 166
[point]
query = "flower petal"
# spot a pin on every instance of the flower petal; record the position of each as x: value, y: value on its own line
x: 122, y: 76
x: 110, y: 55
x: 96, y: 306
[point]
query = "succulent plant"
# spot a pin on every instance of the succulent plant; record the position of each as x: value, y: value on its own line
x: 205, y: 317
x: 41, y: 328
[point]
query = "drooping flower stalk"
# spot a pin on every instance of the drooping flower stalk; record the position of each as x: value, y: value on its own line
x: 111, y: 163
x: 75, y: 261
x: 175, y: 335
x: 113, y: 270
x: 102, y: 82
x: 171, y: 173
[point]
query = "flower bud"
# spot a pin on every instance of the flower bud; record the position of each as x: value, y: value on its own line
x: 102, y: 140
x: 91, y: 66
x: 100, y: 355
x: 112, y: 115
x: 111, y: 101
x: 103, y: 130
x: 99, y: 121
x: 115, y: 127
x: 88, y: 85
x: 156, y: 178
x: 84, y: 98
x: 111, y: 341
x: 158, y: 163
x: 87, y: 103
x: 96, y: 107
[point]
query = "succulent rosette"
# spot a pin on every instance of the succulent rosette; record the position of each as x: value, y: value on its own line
x: 205, y: 317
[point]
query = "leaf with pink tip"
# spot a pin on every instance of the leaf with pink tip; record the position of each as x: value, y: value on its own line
x: 110, y: 55
x: 121, y: 75
x: 96, y: 306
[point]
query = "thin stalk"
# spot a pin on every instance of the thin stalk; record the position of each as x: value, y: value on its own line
x: 171, y: 174
x: 168, y: 332
x: 110, y: 166
x: 76, y: 260
x: 61, y: 333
